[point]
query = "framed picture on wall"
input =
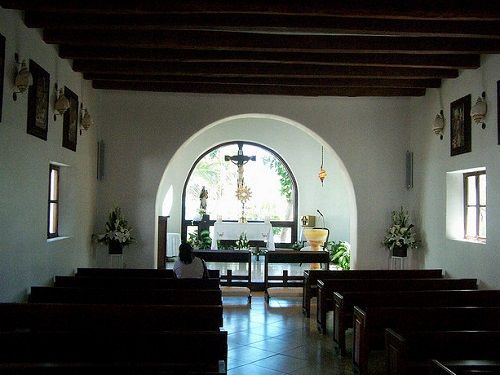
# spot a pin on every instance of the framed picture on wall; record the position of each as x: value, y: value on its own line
x: 70, y: 122
x: 460, y: 123
x: 2, y: 65
x: 38, y: 102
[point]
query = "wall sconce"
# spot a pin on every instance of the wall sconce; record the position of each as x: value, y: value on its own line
x: 479, y: 110
x: 85, y: 119
x: 322, y: 173
x: 438, y: 125
x: 23, y: 78
x: 61, y: 105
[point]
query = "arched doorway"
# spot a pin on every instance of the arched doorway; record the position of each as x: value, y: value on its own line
x: 297, y: 145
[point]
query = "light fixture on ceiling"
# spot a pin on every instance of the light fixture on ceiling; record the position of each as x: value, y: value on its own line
x: 23, y: 78
x: 479, y: 110
x: 86, y: 120
x: 62, y: 104
x: 322, y: 173
x: 438, y: 124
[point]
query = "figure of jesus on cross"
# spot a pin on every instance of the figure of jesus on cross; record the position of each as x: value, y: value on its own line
x: 243, y: 192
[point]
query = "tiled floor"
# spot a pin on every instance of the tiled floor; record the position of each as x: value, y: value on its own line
x: 277, y: 339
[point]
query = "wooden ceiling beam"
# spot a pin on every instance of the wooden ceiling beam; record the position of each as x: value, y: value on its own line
x: 395, y: 9
x: 271, y: 24
x: 228, y: 41
x: 257, y: 89
x: 258, y: 70
x: 190, y: 56
x: 304, y: 82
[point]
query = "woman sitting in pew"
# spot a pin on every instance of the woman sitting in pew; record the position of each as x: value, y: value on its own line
x: 189, y: 266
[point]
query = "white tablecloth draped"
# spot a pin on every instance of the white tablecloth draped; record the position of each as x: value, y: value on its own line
x: 254, y: 232
x: 173, y: 242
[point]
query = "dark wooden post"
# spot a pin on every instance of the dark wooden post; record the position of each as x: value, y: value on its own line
x: 162, y: 242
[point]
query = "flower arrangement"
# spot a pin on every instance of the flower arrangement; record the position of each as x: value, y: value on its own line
x: 242, y: 242
x: 118, y: 232
x: 401, y: 233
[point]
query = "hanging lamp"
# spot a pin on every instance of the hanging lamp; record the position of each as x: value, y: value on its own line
x: 322, y: 173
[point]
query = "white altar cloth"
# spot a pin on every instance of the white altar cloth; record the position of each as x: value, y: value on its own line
x: 254, y: 232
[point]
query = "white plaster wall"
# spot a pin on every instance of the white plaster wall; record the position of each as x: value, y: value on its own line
x: 142, y: 131
x: 26, y: 258
x: 433, y: 160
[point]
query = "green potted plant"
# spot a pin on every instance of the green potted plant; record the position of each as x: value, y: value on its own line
x: 118, y: 232
x: 340, y: 254
x: 401, y: 234
x: 200, y: 241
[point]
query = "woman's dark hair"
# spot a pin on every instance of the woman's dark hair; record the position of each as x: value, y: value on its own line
x: 186, y: 253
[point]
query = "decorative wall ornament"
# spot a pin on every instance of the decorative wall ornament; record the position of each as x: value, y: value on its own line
x: 479, y: 110
x: 438, y: 125
x: 70, y: 123
x: 322, y: 173
x: 23, y: 78
x: 61, y: 105
x: 86, y: 121
x: 38, y: 102
x: 460, y: 139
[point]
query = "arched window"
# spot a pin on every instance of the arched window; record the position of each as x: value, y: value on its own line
x: 272, y: 187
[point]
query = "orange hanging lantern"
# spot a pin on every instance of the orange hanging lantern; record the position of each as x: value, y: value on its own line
x: 322, y: 173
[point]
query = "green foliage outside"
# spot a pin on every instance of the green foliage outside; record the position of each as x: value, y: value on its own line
x: 340, y: 254
x: 285, y: 180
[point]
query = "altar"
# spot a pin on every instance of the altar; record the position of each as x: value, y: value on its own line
x: 253, y: 231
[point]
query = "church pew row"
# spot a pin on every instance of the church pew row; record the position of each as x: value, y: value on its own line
x: 286, y: 285
x: 327, y: 287
x: 465, y: 367
x: 109, y: 317
x: 411, y: 352
x: 87, y: 368
x: 134, y: 282
x: 370, y: 323
x: 311, y: 278
x: 133, y: 272
x: 182, y: 351
x: 44, y: 294
x: 344, y: 303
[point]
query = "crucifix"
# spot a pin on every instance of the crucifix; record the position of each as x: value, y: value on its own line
x: 243, y: 192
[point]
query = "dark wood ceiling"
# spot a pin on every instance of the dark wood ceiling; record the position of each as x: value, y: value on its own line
x: 283, y: 47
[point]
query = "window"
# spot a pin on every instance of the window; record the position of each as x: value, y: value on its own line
x: 475, y: 205
x: 53, y: 206
x: 272, y: 186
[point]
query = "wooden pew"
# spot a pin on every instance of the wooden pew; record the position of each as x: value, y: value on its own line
x: 344, y: 304
x: 44, y: 294
x: 410, y: 352
x: 465, y: 367
x: 108, y: 317
x: 134, y: 282
x: 311, y: 278
x: 193, y: 350
x: 133, y: 272
x: 103, y: 368
x: 327, y: 287
x: 285, y: 281
x: 370, y: 323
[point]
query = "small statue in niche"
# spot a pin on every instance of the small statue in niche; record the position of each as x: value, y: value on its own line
x: 203, y: 199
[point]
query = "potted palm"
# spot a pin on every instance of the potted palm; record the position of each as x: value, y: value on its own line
x: 118, y: 232
x: 401, y: 234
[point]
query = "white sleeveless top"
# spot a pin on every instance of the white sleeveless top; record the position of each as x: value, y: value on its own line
x: 194, y: 270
